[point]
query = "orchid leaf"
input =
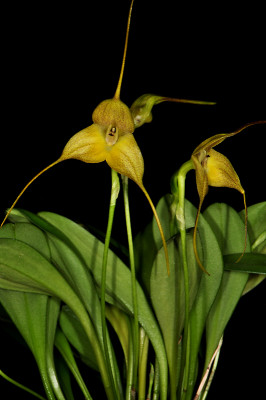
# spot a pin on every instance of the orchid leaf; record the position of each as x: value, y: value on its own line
x: 64, y: 376
x: 79, y: 277
x: 118, y: 282
x: 168, y: 298
x: 208, y: 288
x: 121, y: 324
x: 228, y: 228
x: 28, y: 234
x: 76, y: 336
x: 35, y: 317
x: 230, y: 233
x: 66, y: 352
x: 118, y: 275
x: 167, y: 212
x: 21, y: 263
x: 19, y: 215
x: 256, y: 223
x: 31, y: 235
x: 145, y: 251
x: 148, y: 243
x: 70, y: 265
x: 74, y: 269
x: 257, y: 234
x: 208, y: 285
x: 53, y: 308
x: 251, y: 263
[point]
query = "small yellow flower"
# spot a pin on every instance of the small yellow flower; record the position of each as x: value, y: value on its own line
x: 214, y: 169
x: 142, y: 107
x: 110, y: 138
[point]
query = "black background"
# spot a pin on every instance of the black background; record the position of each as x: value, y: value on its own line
x: 59, y: 61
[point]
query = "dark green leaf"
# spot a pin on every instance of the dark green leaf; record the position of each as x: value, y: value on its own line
x: 66, y: 352
x: 209, y: 285
x: 257, y: 233
x: 35, y: 317
x: 229, y: 230
x: 75, y: 334
x: 64, y: 377
x: 256, y: 224
x: 168, y: 297
x: 21, y: 263
x: 252, y: 263
x: 28, y: 234
x: 118, y: 283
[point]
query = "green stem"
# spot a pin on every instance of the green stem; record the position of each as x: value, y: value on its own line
x: 143, y: 357
x: 130, y: 367
x: 21, y: 386
x: 151, y: 380
x: 156, y: 383
x: 114, y: 194
x: 133, y: 280
x: 178, y: 189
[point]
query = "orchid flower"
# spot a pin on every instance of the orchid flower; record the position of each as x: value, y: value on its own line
x: 214, y: 169
x: 110, y: 138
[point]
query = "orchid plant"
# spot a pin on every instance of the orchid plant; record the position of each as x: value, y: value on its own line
x: 168, y: 301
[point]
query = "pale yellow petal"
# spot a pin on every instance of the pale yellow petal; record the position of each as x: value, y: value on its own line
x: 125, y: 158
x: 202, y: 186
x: 221, y: 173
x: 88, y: 145
x: 115, y: 113
x: 201, y: 178
x: 220, y: 137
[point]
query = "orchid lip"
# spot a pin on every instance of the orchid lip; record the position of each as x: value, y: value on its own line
x: 111, y: 135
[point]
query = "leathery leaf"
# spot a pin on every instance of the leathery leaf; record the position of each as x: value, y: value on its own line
x: 230, y: 233
x: 168, y: 298
x: 118, y: 282
x: 257, y: 235
x: 35, y: 316
x: 208, y: 288
x: 21, y: 263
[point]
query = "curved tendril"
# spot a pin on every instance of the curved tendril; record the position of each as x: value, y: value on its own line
x: 195, y: 240
x: 26, y: 187
x: 118, y: 89
x: 160, y: 228
x: 174, y: 100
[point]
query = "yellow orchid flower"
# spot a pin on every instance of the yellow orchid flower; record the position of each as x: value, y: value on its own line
x: 214, y: 169
x: 141, y: 108
x: 110, y: 138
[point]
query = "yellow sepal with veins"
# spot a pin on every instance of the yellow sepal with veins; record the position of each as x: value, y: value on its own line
x: 214, y: 169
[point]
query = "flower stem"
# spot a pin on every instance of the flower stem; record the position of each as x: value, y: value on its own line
x: 19, y: 385
x: 178, y: 189
x: 209, y: 374
x: 114, y: 194
x: 151, y: 380
x: 143, y: 357
x: 133, y: 280
x: 156, y: 384
x: 130, y: 366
